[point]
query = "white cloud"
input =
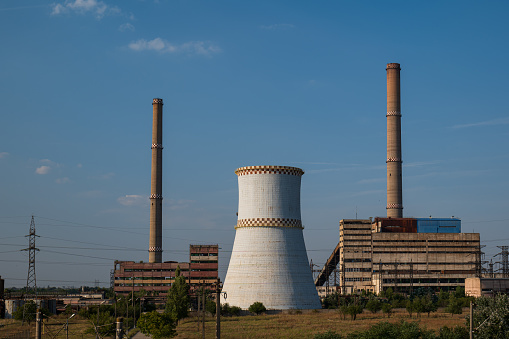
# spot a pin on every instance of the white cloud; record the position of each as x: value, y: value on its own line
x: 3, y: 155
x: 64, y: 180
x: 98, y: 8
x: 277, y: 26
x: 163, y: 46
x: 132, y: 200
x: 79, y: 165
x: 126, y: 27
x: 501, y: 121
x: 43, y: 170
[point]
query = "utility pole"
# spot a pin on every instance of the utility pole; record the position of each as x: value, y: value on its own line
x: 119, y: 332
x: 203, y: 313
x: 38, y: 320
x: 471, y: 331
x: 218, y: 309
x: 31, y: 287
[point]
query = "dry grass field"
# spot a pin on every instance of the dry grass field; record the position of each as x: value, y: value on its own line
x: 303, y: 324
x: 306, y: 324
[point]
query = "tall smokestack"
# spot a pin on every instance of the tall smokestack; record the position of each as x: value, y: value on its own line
x: 156, y: 187
x: 394, y: 182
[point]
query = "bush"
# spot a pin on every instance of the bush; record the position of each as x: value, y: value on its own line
x: 354, y: 309
x: 458, y: 332
x: 388, y: 330
x: 493, y: 313
x: 328, y: 335
x: 157, y: 325
x: 210, y: 307
x: 227, y: 310
x: 257, y: 308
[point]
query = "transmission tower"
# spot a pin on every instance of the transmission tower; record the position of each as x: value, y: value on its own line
x: 505, y: 262
x: 31, y: 288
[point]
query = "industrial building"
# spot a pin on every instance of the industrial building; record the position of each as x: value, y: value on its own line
x: 269, y: 263
x: 156, y: 278
x: 371, y: 259
x: 396, y: 252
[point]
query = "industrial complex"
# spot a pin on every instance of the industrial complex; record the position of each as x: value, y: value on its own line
x: 269, y: 262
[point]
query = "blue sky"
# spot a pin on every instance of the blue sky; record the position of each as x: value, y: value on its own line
x: 295, y: 83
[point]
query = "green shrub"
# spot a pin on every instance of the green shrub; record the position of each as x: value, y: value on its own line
x: 257, y: 308
x: 328, y: 335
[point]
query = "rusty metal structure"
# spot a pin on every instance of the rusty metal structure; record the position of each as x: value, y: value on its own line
x: 394, y: 161
x: 156, y: 185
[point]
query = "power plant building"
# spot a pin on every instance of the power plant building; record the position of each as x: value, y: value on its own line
x: 157, y: 278
x: 370, y: 259
x: 269, y: 263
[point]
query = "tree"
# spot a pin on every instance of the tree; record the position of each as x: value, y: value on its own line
x: 410, y: 307
x: 354, y: 309
x: 455, y: 305
x: 491, y: 317
x: 428, y: 305
x: 387, y: 309
x: 29, y: 309
x: 157, y: 325
x: 374, y: 305
x: 257, y: 308
x: 177, y: 303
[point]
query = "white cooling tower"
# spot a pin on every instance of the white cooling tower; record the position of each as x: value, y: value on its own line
x: 269, y: 262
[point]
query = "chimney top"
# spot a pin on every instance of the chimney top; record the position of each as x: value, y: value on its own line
x: 393, y: 65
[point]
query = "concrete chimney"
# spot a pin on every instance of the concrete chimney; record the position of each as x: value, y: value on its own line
x: 156, y: 185
x: 394, y: 179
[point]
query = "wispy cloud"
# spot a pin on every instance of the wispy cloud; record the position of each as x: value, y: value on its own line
x: 163, y: 46
x: 95, y: 7
x: 3, y: 155
x: 494, y: 122
x: 46, y: 167
x: 132, y: 200
x: 277, y: 26
x: 126, y: 27
x: 64, y: 180
x: 43, y: 170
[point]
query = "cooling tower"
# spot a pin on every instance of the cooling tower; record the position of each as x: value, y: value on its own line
x: 269, y: 262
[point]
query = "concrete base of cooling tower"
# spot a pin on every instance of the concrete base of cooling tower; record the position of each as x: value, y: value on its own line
x: 270, y: 265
